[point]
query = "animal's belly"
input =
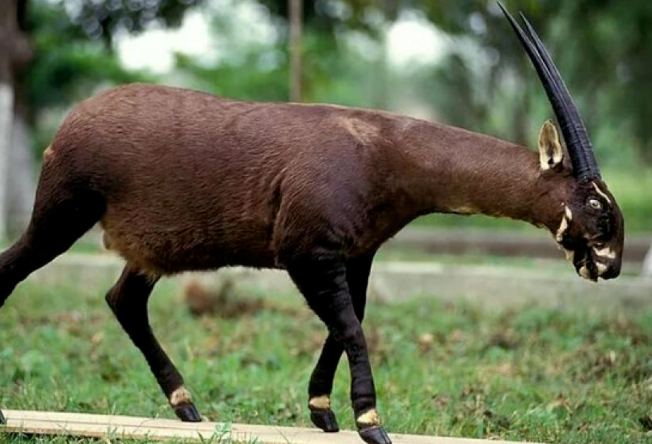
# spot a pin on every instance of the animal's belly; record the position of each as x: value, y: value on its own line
x: 169, y: 251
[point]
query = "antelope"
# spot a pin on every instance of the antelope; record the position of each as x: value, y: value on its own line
x: 181, y: 180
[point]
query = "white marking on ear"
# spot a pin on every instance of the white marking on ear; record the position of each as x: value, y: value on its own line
x: 370, y: 417
x: 550, y: 151
x: 180, y: 396
x: 605, y: 252
x: 600, y: 192
x: 320, y: 402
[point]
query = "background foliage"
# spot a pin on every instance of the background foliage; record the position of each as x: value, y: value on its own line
x: 484, y: 82
x: 481, y: 80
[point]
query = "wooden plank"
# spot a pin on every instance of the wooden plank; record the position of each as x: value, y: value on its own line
x: 101, y: 426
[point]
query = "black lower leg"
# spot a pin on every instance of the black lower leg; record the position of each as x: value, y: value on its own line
x: 321, y: 380
x: 323, y: 283
x: 128, y: 300
x: 321, y: 386
x: 2, y: 418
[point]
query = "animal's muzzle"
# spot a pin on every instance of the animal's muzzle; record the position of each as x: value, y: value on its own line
x: 612, y: 272
x: 591, y: 267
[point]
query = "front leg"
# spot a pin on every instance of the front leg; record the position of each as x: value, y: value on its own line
x: 322, y: 281
x: 321, y: 381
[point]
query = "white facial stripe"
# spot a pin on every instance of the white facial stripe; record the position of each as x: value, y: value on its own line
x: 600, y: 192
x: 563, y: 227
x: 584, y: 272
x: 601, y: 268
x: 570, y: 254
x: 605, y: 252
x: 569, y: 213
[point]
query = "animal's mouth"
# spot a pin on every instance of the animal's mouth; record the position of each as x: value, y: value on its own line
x: 588, y: 270
x: 591, y: 268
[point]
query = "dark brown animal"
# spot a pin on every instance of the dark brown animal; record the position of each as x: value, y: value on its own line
x: 181, y: 180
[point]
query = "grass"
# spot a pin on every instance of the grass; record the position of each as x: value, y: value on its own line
x: 532, y: 374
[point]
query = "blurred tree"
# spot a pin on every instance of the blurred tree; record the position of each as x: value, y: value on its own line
x: 603, y: 49
x: 13, y: 60
x: 295, y: 49
x: 103, y: 19
x: 258, y: 68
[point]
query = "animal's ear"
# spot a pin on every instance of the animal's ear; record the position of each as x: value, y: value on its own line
x: 551, y: 154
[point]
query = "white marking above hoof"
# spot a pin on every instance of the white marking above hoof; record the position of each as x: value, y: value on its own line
x: 320, y: 402
x: 180, y: 396
x: 370, y: 417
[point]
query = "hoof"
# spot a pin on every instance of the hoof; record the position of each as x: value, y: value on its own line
x: 325, y: 420
x: 375, y: 435
x: 2, y: 418
x: 187, y: 413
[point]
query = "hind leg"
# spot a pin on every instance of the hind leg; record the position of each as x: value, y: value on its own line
x: 62, y: 214
x: 57, y: 222
x: 128, y: 300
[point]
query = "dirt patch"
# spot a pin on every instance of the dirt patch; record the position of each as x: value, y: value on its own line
x: 221, y: 301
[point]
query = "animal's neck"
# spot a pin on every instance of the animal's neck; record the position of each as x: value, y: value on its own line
x: 456, y: 171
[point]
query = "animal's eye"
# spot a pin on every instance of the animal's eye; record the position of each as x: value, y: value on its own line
x: 595, y: 204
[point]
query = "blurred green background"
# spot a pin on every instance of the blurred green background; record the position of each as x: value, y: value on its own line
x: 450, y: 61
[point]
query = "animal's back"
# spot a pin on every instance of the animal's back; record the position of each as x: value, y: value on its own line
x: 196, y: 182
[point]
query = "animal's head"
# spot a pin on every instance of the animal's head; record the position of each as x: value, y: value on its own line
x: 591, y: 227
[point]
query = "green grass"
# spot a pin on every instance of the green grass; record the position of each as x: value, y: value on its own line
x: 532, y: 374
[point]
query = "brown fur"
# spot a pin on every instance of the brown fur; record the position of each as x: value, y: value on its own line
x: 181, y: 180
x: 196, y: 182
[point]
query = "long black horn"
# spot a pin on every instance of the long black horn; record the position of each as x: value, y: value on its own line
x: 572, y: 127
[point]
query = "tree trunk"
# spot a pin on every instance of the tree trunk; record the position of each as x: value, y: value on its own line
x: 6, y: 118
x: 16, y: 164
x: 22, y: 186
x: 296, y: 68
x: 647, y: 263
x: 7, y: 26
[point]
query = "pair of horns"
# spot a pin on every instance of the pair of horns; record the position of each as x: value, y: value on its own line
x: 572, y: 127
